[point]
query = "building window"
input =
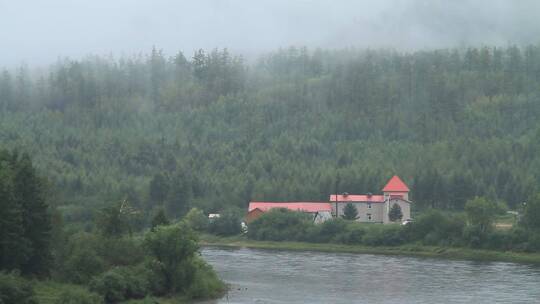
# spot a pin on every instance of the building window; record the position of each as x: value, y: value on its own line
x: 369, y: 216
x: 369, y: 205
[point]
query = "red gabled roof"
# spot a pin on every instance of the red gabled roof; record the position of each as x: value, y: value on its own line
x: 395, y: 184
x: 357, y: 198
x: 295, y: 206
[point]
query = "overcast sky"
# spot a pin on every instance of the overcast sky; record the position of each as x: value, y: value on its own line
x: 39, y: 31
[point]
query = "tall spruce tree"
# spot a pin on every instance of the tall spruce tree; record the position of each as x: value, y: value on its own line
x: 395, y: 213
x: 350, y: 212
x: 35, y: 218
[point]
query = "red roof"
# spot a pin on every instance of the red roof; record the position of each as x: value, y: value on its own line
x: 395, y: 184
x: 296, y: 206
x: 357, y: 198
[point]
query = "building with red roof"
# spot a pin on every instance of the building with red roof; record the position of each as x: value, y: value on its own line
x: 372, y: 208
x: 256, y: 209
x: 375, y: 208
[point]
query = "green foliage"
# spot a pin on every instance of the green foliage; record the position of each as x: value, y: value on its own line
x: 159, y: 219
x: 436, y: 228
x: 24, y: 220
x: 126, y: 282
x: 173, y: 247
x: 350, y: 212
x: 384, y: 235
x: 78, y: 296
x: 83, y: 260
x: 280, y: 225
x: 531, y: 217
x: 228, y: 223
x: 481, y: 212
x: 205, y: 282
x: 395, y: 213
x: 15, y: 289
x: 196, y: 219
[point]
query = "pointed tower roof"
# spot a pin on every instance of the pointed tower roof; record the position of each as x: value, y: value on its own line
x: 395, y: 184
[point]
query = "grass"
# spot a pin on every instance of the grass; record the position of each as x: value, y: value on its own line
x: 406, y: 250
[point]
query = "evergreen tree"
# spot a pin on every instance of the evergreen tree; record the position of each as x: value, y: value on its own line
x: 159, y: 219
x: 159, y: 188
x: 395, y: 213
x: 36, y: 220
x: 350, y: 212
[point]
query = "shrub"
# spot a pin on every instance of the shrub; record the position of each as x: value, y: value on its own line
x: 15, y: 289
x: 330, y: 230
x: 435, y: 228
x: 78, y: 296
x: 205, y: 283
x: 83, y: 259
x: 122, y: 251
x: 353, y: 234
x: 229, y: 223
x: 196, y: 219
x: 380, y: 235
x: 280, y: 225
x: 111, y: 285
x: 173, y: 248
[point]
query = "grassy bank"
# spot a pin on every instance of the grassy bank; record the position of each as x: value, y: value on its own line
x: 406, y: 250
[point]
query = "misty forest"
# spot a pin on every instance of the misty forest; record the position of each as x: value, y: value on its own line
x: 102, y: 148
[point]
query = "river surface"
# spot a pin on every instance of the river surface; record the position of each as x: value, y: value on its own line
x: 269, y: 276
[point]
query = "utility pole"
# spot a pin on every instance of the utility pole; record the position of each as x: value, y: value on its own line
x: 337, y: 184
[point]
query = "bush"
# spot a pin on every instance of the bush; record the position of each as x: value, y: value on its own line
x: 78, y: 296
x: 229, y: 223
x: 205, y: 283
x: 83, y: 260
x: 436, y: 228
x: 111, y: 285
x: 381, y: 235
x: 122, y: 251
x: 122, y: 283
x: 352, y: 235
x: 280, y: 225
x: 15, y: 289
x: 196, y: 219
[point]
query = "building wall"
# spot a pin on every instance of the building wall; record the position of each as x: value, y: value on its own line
x: 405, y: 207
x: 378, y: 211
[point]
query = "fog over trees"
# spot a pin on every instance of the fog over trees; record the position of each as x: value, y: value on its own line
x: 37, y: 32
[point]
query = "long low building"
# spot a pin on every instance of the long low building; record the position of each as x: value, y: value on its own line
x: 371, y: 208
x: 318, y: 209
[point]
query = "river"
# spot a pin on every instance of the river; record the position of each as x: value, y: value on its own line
x: 269, y: 276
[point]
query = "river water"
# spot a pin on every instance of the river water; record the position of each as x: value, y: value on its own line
x: 269, y: 276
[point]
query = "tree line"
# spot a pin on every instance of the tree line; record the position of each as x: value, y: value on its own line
x: 212, y: 130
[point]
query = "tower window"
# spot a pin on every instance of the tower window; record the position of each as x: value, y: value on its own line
x: 369, y: 216
x: 369, y: 205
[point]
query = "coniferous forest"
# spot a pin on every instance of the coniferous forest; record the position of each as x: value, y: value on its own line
x: 100, y: 154
x: 213, y: 131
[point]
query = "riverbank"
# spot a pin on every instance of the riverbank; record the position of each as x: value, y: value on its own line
x: 405, y: 250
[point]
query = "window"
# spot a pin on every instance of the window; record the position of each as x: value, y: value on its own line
x: 369, y: 216
x: 369, y: 205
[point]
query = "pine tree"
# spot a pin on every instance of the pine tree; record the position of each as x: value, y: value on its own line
x: 14, y: 247
x: 395, y: 213
x: 350, y: 212
x: 159, y: 219
x: 36, y: 220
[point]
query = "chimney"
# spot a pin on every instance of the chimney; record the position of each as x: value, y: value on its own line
x: 369, y: 194
x: 345, y: 194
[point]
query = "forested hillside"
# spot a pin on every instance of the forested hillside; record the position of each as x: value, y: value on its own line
x: 213, y: 131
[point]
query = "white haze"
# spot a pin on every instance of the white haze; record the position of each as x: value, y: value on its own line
x: 39, y: 31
